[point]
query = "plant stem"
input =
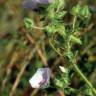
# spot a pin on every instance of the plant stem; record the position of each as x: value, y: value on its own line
x: 74, y: 22
x: 38, y: 28
x: 77, y: 68
x: 83, y: 76
x: 54, y: 47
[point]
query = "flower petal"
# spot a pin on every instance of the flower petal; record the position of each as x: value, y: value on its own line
x: 41, y: 78
x: 34, y: 4
x: 30, y: 4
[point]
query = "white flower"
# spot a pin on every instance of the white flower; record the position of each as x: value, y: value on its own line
x: 62, y: 69
x: 41, y: 78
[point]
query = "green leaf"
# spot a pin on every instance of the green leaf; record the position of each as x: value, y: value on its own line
x: 62, y: 30
x: 56, y: 27
x: 29, y: 23
x: 75, y: 39
x: 60, y: 15
x: 70, y: 55
x: 88, y: 92
x: 76, y: 10
x: 81, y: 11
x: 61, y: 4
x: 59, y: 83
x: 85, y: 12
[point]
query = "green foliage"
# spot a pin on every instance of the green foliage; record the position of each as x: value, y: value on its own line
x: 57, y: 27
x: 60, y: 15
x: 75, y: 39
x: 76, y: 10
x: 82, y: 11
x: 29, y: 23
x: 88, y: 92
x: 70, y: 34
x: 62, y: 80
x: 85, y: 12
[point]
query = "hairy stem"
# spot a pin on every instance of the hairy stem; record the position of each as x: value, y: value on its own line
x: 83, y: 77
x: 77, y: 68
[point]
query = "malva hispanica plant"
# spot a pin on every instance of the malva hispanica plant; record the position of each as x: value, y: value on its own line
x: 62, y: 38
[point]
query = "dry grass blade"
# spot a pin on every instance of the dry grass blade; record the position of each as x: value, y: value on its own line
x: 25, y: 63
x: 8, y: 71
